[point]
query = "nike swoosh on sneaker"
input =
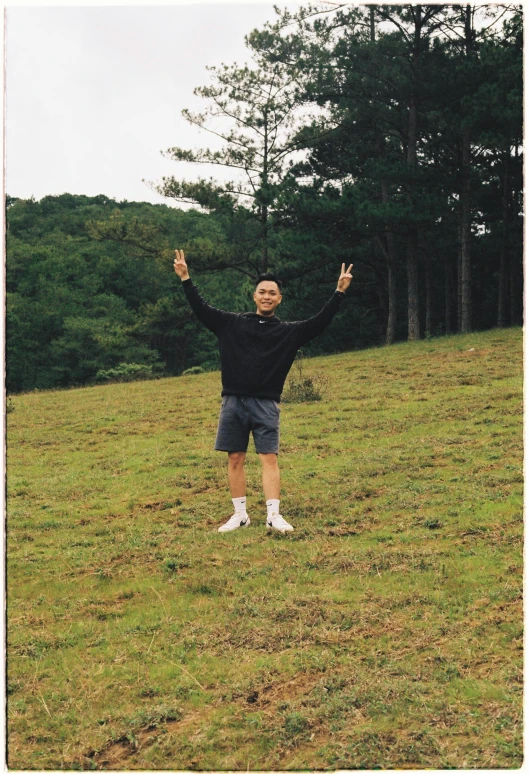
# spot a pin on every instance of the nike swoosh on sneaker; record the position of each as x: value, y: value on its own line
x: 234, y: 523
x: 277, y: 522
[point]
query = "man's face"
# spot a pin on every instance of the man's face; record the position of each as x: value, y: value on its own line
x: 267, y: 297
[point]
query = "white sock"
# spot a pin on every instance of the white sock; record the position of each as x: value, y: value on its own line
x: 272, y: 506
x: 239, y: 503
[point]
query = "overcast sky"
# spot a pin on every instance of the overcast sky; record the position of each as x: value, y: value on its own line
x: 93, y: 94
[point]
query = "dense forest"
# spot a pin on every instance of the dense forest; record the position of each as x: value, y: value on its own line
x: 385, y: 136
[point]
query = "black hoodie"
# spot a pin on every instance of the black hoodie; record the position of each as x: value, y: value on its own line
x: 256, y: 352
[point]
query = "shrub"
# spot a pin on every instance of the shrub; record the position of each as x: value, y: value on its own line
x: 125, y: 372
x: 211, y: 365
x: 194, y: 370
x: 302, y: 388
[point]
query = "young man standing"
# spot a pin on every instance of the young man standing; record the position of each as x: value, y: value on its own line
x: 256, y: 353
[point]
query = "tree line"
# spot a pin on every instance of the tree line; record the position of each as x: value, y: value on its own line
x: 385, y: 136
x: 409, y: 123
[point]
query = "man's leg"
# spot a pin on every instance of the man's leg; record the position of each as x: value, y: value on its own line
x: 265, y: 428
x: 237, y: 482
x: 271, y: 488
x: 271, y: 476
x: 233, y: 433
x: 237, y: 474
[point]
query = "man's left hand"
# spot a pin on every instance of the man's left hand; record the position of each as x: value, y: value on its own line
x: 345, y: 278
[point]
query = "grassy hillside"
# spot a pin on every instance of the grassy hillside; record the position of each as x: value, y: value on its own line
x: 385, y: 632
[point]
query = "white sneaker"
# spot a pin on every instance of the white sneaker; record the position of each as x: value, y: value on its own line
x: 234, y: 522
x: 277, y: 522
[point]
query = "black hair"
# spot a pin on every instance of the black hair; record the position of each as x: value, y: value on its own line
x: 269, y: 277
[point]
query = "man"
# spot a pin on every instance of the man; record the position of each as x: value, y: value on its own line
x: 256, y: 353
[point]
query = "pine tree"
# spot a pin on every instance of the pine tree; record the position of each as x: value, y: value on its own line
x: 253, y: 110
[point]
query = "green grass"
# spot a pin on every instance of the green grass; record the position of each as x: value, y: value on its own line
x: 384, y: 632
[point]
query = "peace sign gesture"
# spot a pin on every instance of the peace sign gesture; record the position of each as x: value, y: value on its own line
x: 180, y: 265
x: 345, y: 278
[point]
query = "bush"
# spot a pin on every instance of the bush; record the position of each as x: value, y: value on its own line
x: 125, y: 372
x: 211, y: 365
x: 194, y: 370
x: 302, y: 388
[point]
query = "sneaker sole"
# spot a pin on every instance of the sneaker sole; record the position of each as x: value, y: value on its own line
x: 242, y: 524
x: 281, y: 531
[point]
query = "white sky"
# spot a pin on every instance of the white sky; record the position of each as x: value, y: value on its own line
x: 94, y: 93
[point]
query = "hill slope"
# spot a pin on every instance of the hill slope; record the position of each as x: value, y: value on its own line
x: 386, y: 631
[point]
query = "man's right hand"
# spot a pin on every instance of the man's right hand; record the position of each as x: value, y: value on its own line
x: 180, y: 265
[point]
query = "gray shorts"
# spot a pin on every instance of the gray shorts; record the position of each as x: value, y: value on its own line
x: 240, y: 416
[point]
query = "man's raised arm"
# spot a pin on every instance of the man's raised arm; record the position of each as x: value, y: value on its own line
x: 212, y: 318
x: 309, y: 329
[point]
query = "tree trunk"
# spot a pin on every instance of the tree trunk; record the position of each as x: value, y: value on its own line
x: 411, y: 246
x: 411, y: 162
x: 516, y: 288
x: 382, y: 305
x: 413, y: 286
x: 392, y: 296
x: 391, y: 265
x: 428, y: 284
x: 512, y: 293
x: 516, y: 262
x: 448, y: 295
x: 502, y: 288
x: 466, y: 225
x: 372, y: 22
x: 459, y: 295
x: 264, y: 205
x: 465, y: 197
x: 264, y: 238
x: 504, y: 251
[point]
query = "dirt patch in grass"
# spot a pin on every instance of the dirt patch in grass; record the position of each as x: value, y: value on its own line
x: 118, y: 754
x: 269, y: 695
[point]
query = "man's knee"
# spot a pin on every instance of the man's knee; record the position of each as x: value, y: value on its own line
x: 236, y: 459
x: 268, y: 460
